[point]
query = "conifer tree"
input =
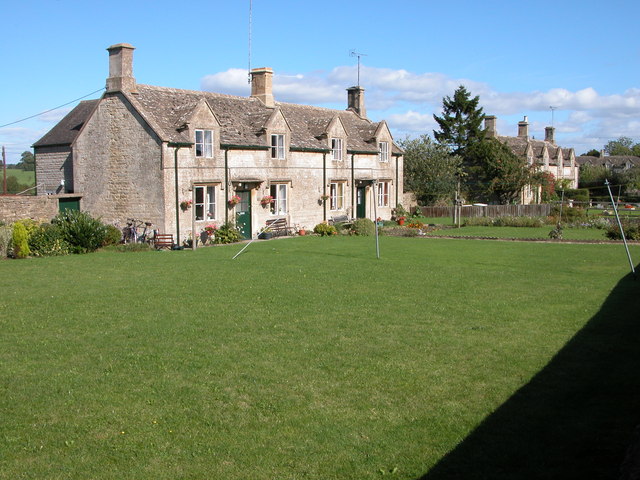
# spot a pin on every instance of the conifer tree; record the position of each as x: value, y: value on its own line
x: 461, y: 121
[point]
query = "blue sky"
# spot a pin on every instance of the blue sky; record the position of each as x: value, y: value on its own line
x: 521, y: 58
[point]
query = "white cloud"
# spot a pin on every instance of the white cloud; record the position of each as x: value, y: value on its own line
x: 233, y: 82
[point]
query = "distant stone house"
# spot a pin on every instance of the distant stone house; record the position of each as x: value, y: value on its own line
x: 615, y: 163
x: 179, y: 158
x: 544, y: 155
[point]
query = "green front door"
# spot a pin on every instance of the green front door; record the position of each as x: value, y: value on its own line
x: 361, y: 202
x: 243, y: 213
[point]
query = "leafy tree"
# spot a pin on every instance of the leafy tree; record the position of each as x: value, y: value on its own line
x: 27, y: 162
x: 496, y: 172
x: 592, y: 153
x: 461, y: 121
x: 547, y: 181
x: 593, y: 177
x: 430, y: 170
x: 622, y: 146
x: 14, y: 186
x: 632, y: 178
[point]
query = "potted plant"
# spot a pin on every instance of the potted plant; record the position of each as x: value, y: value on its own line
x: 185, y: 205
x: 233, y: 201
x: 265, y: 234
x: 266, y: 201
x: 302, y: 231
x: 401, y: 220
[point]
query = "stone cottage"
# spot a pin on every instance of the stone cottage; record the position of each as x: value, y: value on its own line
x: 184, y: 159
x: 545, y: 155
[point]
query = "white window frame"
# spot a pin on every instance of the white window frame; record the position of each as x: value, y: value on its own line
x: 383, y: 151
x: 280, y: 194
x: 205, y: 202
x: 277, y: 146
x: 336, y: 196
x: 204, y: 144
x: 337, y: 149
x: 382, y: 189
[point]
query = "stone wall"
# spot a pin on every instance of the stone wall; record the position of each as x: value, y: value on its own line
x: 118, y: 165
x: 54, y: 170
x: 20, y: 207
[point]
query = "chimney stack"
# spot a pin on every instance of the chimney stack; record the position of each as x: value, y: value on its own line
x: 523, y: 129
x: 121, y: 68
x: 549, y: 135
x: 490, y: 126
x: 262, y: 85
x: 355, y: 101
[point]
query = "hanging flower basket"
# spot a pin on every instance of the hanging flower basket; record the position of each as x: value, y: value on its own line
x: 233, y: 201
x: 266, y: 200
x: 185, y: 205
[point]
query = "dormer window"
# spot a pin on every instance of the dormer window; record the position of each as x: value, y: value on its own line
x: 336, y: 149
x: 277, y: 146
x: 383, y: 151
x: 204, y: 143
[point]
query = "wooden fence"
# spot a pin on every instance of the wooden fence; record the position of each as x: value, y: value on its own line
x: 491, y: 211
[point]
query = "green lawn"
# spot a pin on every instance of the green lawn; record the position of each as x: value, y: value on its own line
x: 308, y: 358
x: 23, y: 177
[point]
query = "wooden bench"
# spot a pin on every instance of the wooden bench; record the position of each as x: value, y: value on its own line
x: 163, y: 240
x: 278, y: 227
x: 340, y: 219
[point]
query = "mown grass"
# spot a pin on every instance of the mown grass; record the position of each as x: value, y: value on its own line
x: 302, y: 358
x: 24, y: 177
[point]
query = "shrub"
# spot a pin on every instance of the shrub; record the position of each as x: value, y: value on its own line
x: 47, y: 240
x: 227, y: 233
x: 80, y: 230
x: 6, y: 233
x: 579, y: 194
x: 112, y: 236
x: 364, y: 227
x: 20, y: 240
x: 569, y: 214
x: 631, y: 231
x: 505, y: 221
x: 325, y: 230
x: 556, y: 233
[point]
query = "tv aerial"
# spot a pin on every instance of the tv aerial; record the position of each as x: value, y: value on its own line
x: 353, y: 53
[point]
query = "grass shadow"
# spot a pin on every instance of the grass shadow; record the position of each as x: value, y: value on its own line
x: 575, y: 418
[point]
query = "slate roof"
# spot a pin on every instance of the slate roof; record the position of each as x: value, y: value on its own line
x: 66, y: 131
x: 242, y: 120
x: 519, y: 145
x: 614, y: 160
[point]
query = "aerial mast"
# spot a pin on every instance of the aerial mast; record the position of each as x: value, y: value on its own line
x: 353, y: 53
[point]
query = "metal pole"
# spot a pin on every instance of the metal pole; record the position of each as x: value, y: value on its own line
x: 615, y: 209
x: 194, y: 236
x: 243, y: 248
x: 375, y: 214
x: 4, y: 169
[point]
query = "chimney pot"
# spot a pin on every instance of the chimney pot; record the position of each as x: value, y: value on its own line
x: 262, y: 85
x: 549, y: 135
x: 523, y: 129
x: 121, y: 68
x: 490, y: 126
x: 355, y: 101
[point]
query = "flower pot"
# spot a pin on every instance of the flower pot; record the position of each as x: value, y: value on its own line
x: 302, y: 232
x: 401, y: 221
